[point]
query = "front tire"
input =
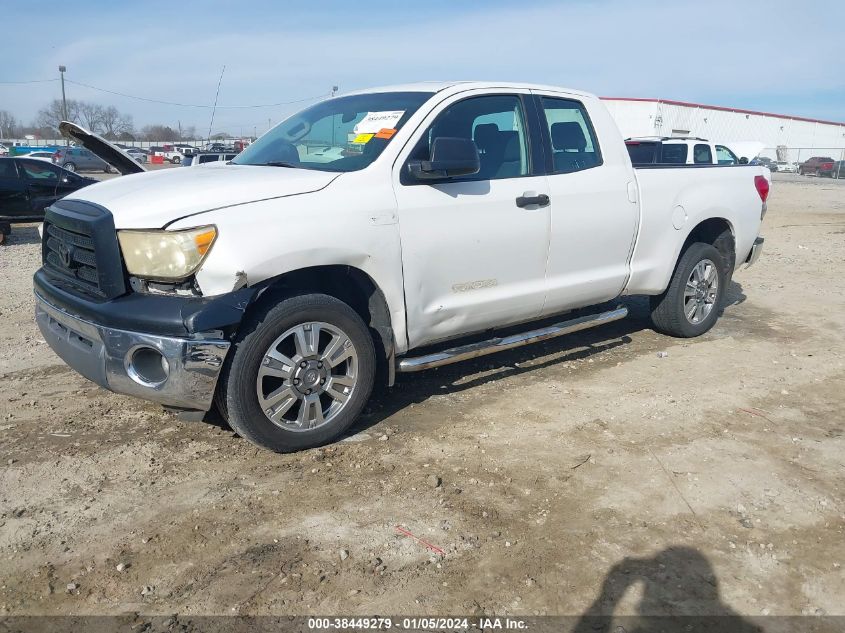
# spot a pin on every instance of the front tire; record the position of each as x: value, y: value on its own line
x: 175, y: 160
x: 299, y: 374
x: 690, y: 305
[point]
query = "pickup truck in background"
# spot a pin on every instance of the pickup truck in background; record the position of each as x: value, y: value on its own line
x: 673, y: 150
x: 282, y: 289
x: 817, y: 166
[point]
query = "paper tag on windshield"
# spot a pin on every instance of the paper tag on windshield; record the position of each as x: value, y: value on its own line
x: 376, y: 121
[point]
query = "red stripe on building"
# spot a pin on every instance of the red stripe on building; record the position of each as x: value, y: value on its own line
x: 724, y: 109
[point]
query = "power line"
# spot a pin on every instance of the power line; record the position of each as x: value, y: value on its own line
x: 31, y: 81
x: 195, y: 105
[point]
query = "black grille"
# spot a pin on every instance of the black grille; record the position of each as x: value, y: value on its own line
x: 80, y: 249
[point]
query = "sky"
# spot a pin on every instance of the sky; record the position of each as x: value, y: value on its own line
x: 775, y: 56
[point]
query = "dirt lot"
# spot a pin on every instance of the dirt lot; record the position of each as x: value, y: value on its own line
x: 706, y: 480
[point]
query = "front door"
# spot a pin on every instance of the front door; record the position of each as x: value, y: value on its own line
x: 474, y: 248
x: 42, y: 181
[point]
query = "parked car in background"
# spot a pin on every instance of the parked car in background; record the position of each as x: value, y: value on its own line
x: 204, y: 158
x: 138, y: 154
x: 817, y: 166
x: 838, y: 169
x: 785, y: 167
x: 80, y: 159
x: 4, y: 151
x: 28, y: 186
x: 665, y: 150
x: 768, y: 163
x: 48, y: 156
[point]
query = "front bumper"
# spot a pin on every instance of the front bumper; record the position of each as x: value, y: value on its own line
x: 112, y: 358
x: 754, y: 254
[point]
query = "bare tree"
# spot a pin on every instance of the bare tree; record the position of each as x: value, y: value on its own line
x: 8, y: 125
x: 116, y: 125
x: 91, y: 116
x: 51, y: 116
x: 159, y: 132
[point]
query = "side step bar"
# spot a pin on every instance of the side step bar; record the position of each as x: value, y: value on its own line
x: 474, y: 350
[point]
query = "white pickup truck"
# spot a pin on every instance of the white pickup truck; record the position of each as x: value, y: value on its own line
x: 283, y: 285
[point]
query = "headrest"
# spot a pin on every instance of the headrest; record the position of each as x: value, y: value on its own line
x: 485, y: 135
x: 568, y: 135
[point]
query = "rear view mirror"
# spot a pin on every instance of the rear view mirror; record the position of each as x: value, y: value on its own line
x: 451, y: 157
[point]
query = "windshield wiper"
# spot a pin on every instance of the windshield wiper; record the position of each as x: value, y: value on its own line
x: 280, y: 163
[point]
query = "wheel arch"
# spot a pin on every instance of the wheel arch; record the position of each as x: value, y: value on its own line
x: 719, y: 232
x: 346, y: 283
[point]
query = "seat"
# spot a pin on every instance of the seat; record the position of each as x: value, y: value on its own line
x: 499, y: 152
x: 570, y: 145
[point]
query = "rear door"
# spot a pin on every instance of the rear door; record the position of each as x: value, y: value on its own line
x: 594, y: 213
x: 474, y: 248
x: 13, y: 194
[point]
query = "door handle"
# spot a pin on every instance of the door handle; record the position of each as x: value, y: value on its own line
x: 541, y: 200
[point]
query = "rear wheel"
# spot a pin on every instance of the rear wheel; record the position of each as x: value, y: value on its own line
x: 175, y: 160
x: 69, y: 166
x: 299, y: 375
x: 690, y: 305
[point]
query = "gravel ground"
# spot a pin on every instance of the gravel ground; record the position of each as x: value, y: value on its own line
x: 583, y: 474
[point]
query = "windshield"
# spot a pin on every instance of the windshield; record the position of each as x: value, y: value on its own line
x: 343, y: 134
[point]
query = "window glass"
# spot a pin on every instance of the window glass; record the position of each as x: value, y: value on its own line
x: 496, y: 124
x: 674, y: 154
x: 209, y: 158
x: 342, y: 134
x: 40, y: 171
x: 7, y: 169
x: 701, y: 154
x: 724, y: 156
x: 574, y: 145
x: 642, y: 153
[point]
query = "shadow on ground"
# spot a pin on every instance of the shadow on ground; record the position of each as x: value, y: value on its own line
x: 680, y: 592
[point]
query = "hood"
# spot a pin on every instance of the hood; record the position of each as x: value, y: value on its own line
x: 745, y: 149
x: 112, y: 154
x: 154, y: 199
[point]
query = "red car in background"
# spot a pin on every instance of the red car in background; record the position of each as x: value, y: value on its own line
x: 817, y: 165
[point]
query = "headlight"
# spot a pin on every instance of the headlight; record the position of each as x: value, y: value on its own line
x: 166, y: 255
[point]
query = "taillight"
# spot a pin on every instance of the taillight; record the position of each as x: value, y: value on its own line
x: 762, y: 186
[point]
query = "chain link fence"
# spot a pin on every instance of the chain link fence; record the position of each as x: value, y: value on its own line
x: 805, y: 160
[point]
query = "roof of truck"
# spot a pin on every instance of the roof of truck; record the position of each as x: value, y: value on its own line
x: 459, y: 86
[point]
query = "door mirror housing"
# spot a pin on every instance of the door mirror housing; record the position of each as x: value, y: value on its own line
x: 743, y: 160
x: 451, y: 157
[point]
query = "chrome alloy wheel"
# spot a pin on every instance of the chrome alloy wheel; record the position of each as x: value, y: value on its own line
x: 701, y: 291
x: 307, y: 376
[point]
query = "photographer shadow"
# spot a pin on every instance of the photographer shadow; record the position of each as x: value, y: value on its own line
x: 680, y: 592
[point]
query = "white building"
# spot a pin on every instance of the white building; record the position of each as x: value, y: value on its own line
x: 798, y: 137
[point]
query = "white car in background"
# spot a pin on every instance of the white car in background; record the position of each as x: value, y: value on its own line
x: 46, y: 156
x: 3, y: 150
x: 786, y: 168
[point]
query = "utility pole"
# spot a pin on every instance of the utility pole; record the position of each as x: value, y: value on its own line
x: 62, y: 70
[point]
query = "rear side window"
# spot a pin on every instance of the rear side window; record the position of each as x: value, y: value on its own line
x: 574, y: 146
x: 702, y: 155
x: 642, y: 153
x: 208, y: 158
x: 674, y: 154
x: 7, y: 169
x: 724, y: 156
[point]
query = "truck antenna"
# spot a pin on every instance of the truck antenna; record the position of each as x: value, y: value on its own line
x: 214, y: 108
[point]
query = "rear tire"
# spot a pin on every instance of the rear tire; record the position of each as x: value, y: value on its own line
x: 690, y: 305
x: 176, y: 160
x: 70, y: 167
x: 282, y: 386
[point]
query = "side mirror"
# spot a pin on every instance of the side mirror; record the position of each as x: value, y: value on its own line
x: 451, y: 157
x: 743, y: 160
